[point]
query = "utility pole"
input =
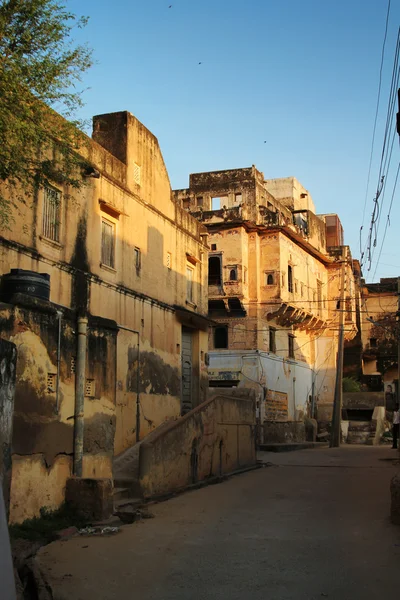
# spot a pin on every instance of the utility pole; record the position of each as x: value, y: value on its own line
x: 337, y: 402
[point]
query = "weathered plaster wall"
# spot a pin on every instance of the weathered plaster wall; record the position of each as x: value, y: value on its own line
x: 133, y: 193
x: 42, y: 443
x: 8, y: 359
x: 215, y: 438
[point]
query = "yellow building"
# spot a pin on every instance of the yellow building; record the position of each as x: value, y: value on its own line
x: 378, y: 334
x: 128, y: 273
x: 274, y: 289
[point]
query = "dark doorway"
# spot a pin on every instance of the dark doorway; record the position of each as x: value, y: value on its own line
x: 214, y: 270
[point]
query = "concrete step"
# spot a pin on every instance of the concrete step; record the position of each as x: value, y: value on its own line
x: 121, y: 493
x: 292, y: 446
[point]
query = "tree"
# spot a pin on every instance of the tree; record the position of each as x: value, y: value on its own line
x: 40, y: 67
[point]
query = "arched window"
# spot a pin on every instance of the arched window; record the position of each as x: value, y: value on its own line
x: 270, y: 279
x: 233, y: 275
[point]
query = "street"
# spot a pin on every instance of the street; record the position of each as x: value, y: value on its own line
x: 315, y: 524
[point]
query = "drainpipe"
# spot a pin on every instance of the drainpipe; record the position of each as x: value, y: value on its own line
x: 137, y: 379
x: 313, y: 376
x: 59, y: 316
x: 80, y: 378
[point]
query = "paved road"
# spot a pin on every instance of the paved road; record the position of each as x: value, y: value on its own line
x: 315, y: 526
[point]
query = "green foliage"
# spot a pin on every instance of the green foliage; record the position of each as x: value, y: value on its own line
x: 40, y: 67
x: 44, y: 528
x: 350, y: 384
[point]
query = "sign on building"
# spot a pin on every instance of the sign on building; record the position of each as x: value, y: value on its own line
x: 276, y: 406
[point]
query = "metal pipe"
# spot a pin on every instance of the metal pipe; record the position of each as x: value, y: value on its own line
x: 137, y: 379
x: 59, y: 315
x: 80, y: 380
x: 337, y: 403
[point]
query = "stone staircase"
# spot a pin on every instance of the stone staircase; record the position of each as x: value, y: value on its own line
x: 127, y: 493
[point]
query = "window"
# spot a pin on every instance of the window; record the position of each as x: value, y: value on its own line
x: 213, y: 246
x: 214, y: 270
x: 373, y: 342
x: 296, y: 286
x: 138, y: 259
x: 199, y: 200
x: 189, y: 285
x: 221, y: 337
x: 302, y: 289
x: 107, y: 243
x: 233, y: 275
x: 290, y: 278
x: 272, y: 339
x: 169, y: 260
x: 136, y: 173
x: 238, y: 199
x: 219, y: 202
x: 51, y: 214
x: 186, y: 203
x: 245, y: 275
x: 269, y: 278
x: 291, y: 345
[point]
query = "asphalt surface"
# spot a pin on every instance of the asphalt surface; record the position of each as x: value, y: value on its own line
x: 316, y: 525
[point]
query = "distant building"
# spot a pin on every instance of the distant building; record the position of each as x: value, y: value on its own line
x: 379, y: 334
x: 274, y: 290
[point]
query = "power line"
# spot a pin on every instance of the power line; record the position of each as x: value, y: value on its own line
x: 376, y: 115
x: 387, y: 220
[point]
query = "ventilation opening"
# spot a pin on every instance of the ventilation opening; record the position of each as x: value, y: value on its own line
x: 51, y: 382
x: 89, y: 388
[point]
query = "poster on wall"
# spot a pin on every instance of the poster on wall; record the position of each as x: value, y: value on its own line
x: 276, y: 406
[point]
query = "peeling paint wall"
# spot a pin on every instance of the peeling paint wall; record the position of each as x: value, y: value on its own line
x: 42, y: 443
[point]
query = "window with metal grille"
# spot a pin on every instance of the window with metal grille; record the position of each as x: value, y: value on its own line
x: 51, y: 382
x: 89, y: 388
x: 136, y: 173
x: 189, y: 284
x: 107, y: 243
x: 51, y: 214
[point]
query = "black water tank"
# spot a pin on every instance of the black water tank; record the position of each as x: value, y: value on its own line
x: 30, y: 283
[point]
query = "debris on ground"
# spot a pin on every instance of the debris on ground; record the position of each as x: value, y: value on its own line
x: 99, y: 530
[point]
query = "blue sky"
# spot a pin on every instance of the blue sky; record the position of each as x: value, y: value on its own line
x: 300, y: 75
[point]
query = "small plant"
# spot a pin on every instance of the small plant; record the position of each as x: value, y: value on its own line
x: 350, y: 384
x: 44, y: 528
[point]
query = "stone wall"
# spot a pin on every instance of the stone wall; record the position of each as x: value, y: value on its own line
x: 216, y: 438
